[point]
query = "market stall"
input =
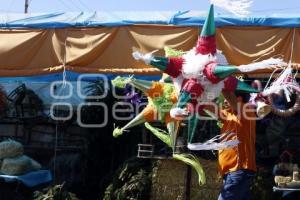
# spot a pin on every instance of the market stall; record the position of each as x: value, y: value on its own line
x: 44, y: 44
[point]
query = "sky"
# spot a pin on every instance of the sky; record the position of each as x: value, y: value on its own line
x: 259, y: 7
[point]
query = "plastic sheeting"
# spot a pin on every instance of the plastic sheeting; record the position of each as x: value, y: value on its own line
x: 31, y: 179
x: 69, y: 77
x: 42, y: 86
x: 186, y: 18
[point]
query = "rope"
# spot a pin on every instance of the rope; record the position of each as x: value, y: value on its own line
x: 64, y: 74
x: 55, y: 151
x: 292, y: 49
x: 292, y: 52
x: 290, y: 60
x: 64, y: 82
x: 270, y: 78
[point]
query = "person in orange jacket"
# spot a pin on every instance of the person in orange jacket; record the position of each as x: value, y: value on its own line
x: 238, y: 164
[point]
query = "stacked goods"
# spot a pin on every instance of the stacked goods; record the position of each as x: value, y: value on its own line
x: 13, y: 162
x: 282, y: 181
x: 287, y: 175
x: 10, y: 148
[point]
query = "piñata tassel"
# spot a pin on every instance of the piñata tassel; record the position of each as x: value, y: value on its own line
x: 192, y: 161
x: 117, y: 132
x: 284, y: 82
x: 172, y: 129
x: 139, y: 119
x: 213, y: 143
x: 147, y: 58
x: 237, y: 7
x: 162, y: 135
x: 265, y: 64
x: 121, y: 82
x: 170, y: 52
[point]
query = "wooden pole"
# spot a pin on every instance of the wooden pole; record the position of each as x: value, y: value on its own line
x: 187, y: 192
x: 26, y: 6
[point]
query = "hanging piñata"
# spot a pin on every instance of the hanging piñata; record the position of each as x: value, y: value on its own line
x: 161, y: 98
x: 198, y: 75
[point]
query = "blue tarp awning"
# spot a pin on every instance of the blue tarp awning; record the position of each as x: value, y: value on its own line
x: 94, y: 19
x: 69, y: 76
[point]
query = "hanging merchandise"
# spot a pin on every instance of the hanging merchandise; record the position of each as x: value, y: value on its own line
x: 263, y: 108
x: 261, y: 104
x: 161, y: 98
x: 284, y: 87
x: 13, y: 161
x: 199, y: 76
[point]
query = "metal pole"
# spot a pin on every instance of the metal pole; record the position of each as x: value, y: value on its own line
x: 26, y: 6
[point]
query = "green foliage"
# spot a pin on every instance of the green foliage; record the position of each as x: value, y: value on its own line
x: 132, y: 181
x: 57, y: 192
